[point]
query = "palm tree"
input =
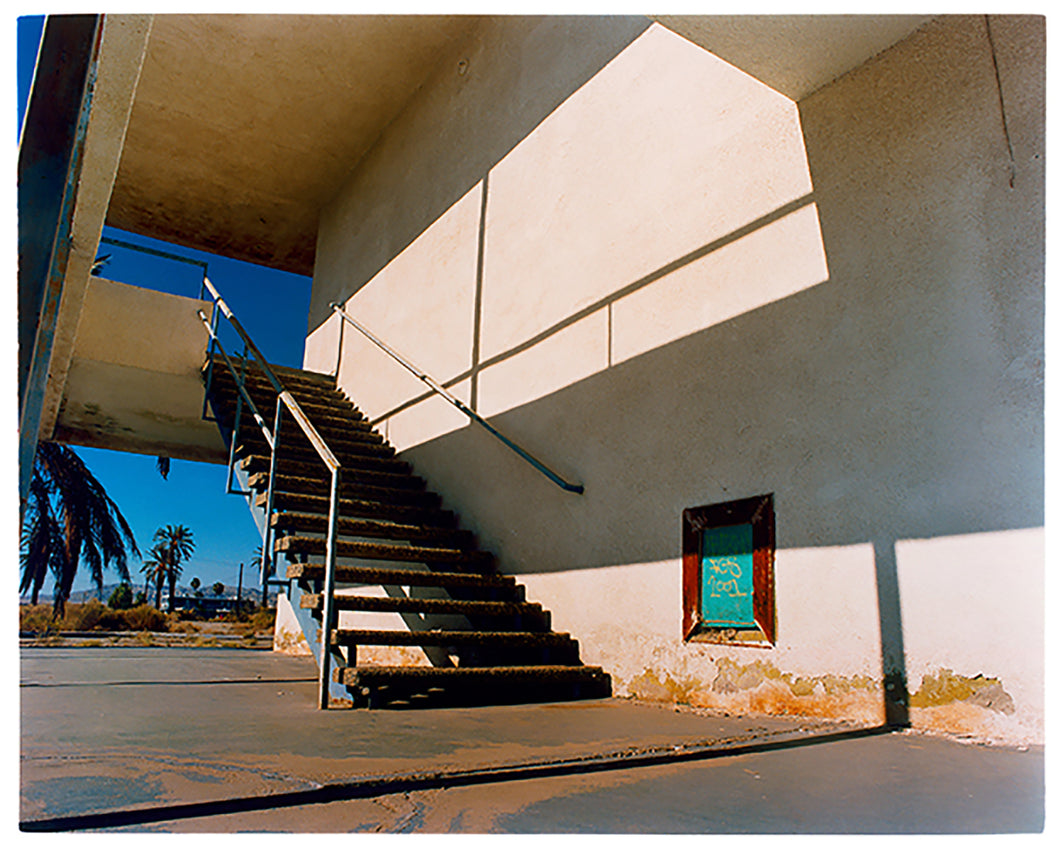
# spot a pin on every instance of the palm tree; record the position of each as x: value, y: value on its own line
x: 69, y: 518
x: 178, y: 544
x: 156, y: 567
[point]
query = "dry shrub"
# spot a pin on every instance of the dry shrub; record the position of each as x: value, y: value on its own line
x: 36, y: 618
x: 90, y: 616
x: 145, y: 617
x: 263, y: 619
x: 95, y: 616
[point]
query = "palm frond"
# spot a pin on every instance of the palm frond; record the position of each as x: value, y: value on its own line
x: 70, y: 519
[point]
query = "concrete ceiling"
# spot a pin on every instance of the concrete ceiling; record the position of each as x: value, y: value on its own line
x: 245, y: 126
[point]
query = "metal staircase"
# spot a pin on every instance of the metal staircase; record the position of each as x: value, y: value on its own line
x: 364, y: 511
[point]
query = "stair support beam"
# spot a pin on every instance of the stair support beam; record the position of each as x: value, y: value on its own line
x: 266, y: 536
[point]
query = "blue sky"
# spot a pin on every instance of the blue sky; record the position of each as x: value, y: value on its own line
x: 273, y: 306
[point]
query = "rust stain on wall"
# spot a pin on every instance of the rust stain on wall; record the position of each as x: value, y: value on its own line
x: 947, y: 687
x: 944, y: 702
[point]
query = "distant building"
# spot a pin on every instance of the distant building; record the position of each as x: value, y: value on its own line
x: 208, y: 606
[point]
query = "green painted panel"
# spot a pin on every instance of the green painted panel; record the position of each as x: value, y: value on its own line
x: 727, y: 596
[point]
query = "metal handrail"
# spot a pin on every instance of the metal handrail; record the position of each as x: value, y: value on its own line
x: 576, y: 488
x: 285, y: 400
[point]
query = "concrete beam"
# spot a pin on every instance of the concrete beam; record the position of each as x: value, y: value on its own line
x: 121, y: 55
x: 133, y: 381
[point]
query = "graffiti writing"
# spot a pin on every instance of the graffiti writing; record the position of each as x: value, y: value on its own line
x: 724, y: 579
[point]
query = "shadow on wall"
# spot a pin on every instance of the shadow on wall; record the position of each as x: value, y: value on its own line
x: 899, y: 399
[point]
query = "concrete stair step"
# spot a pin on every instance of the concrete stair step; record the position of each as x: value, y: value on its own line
x: 479, y: 561
x: 256, y: 459
x: 502, y: 585
x: 256, y: 464
x: 305, y: 522
x: 362, y: 508
x: 327, y: 400
x: 331, y: 425
x: 411, y: 686
x: 527, y: 612
x: 298, y: 381
x: 451, y: 638
x: 287, y: 375
x: 349, y: 490
x: 321, y: 411
x: 348, y: 447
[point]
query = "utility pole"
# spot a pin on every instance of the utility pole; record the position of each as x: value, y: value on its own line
x: 239, y: 591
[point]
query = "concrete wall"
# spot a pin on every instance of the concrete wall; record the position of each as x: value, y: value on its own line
x: 134, y: 381
x: 678, y: 287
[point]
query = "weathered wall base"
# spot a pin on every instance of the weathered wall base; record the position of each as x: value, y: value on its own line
x: 827, y: 660
x: 976, y: 707
x: 288, y: 637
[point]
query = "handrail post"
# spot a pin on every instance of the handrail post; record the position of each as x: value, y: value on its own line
x: 240, y: 383
x: 283, y: 398
x: 266, y: 554
x: 212, y: 329
x: 328, y: 613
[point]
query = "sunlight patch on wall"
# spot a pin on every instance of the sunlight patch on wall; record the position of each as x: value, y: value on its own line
x: 827, y: 610
x: 321, y: 347
x: 769, y: 264
x: 570, y: 355
x: 665, y: 150
x: 976, y: 596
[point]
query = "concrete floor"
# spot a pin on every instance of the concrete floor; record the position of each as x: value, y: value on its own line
x: 215, y: 740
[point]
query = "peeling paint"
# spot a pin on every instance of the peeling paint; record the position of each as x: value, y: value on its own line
x: 946, y: 702
x: 947, y: 687
x: 290, y: 642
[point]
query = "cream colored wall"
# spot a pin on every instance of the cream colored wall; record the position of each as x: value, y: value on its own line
x: 678, y: 287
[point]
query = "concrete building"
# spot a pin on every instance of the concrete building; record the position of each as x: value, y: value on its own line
x: 784, y: 274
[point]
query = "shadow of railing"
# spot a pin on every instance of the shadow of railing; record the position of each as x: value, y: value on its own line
x: 374, y: 787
